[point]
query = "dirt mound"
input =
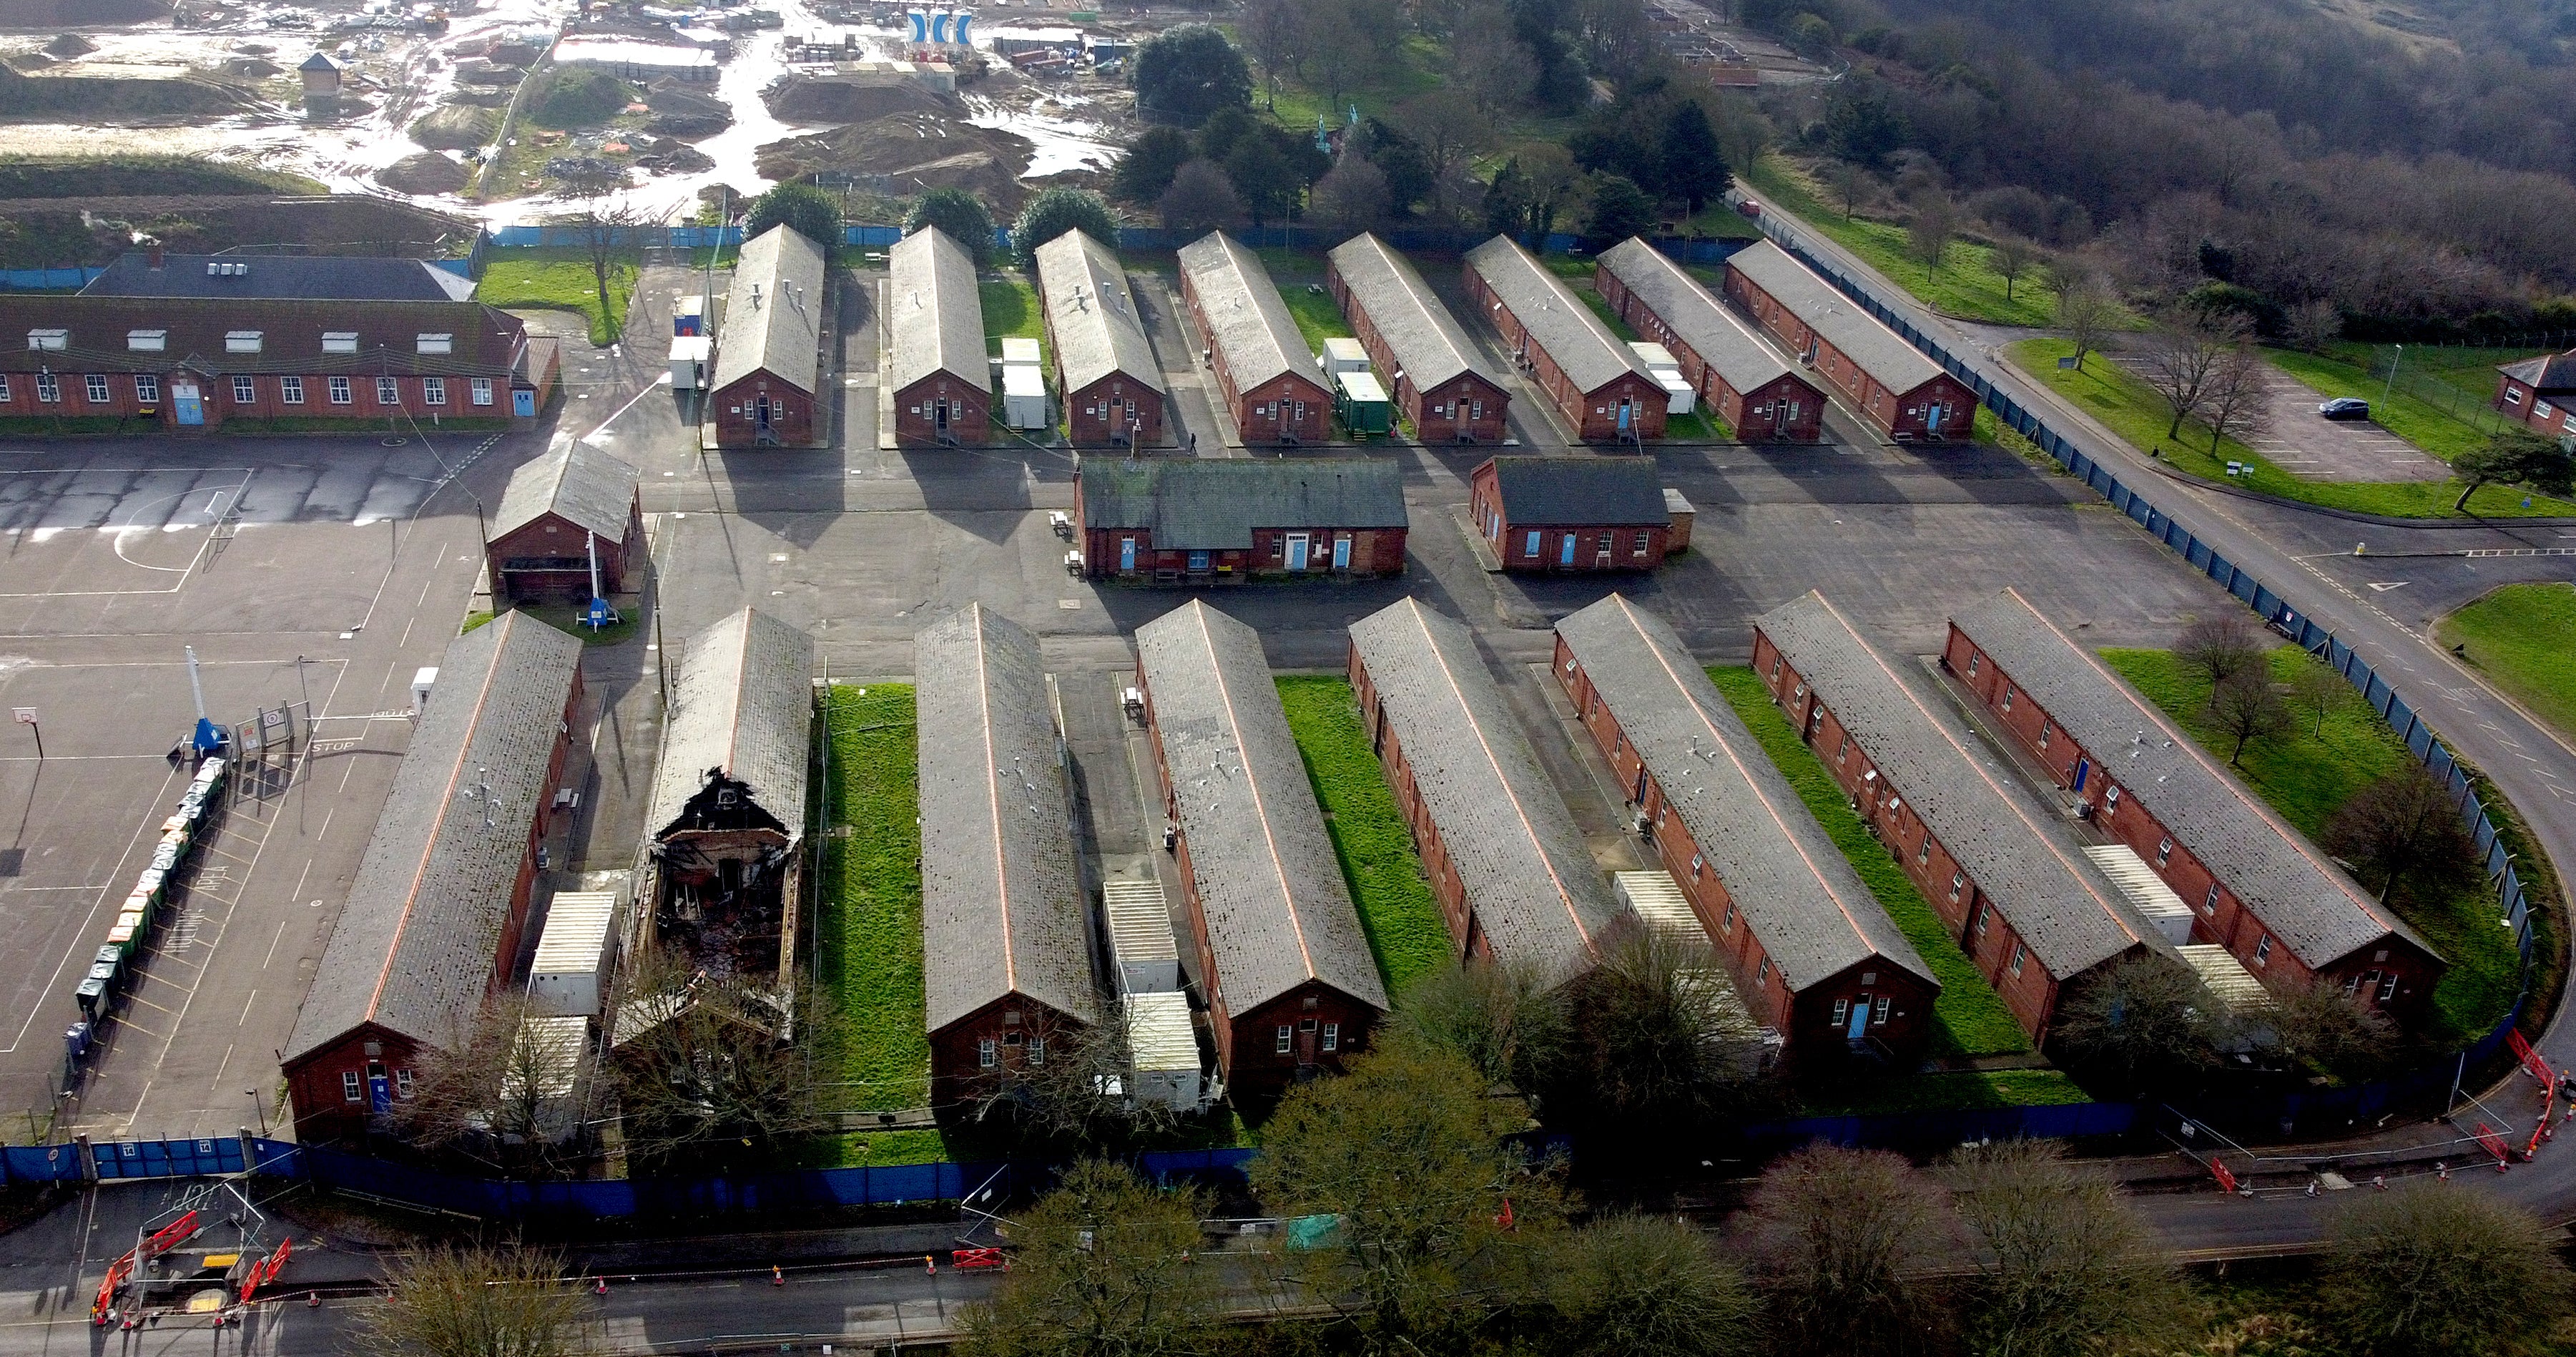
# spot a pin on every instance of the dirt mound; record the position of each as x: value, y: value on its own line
x: 115, y: 100
x: 669, y: 156
x: 910, y: 154
x: 457, y: 127
x: 427, y: 172
x: 671, y: 97
x: 818, y: 99
x: 687, y: 127
x: 252, y: 68
x: 68, y: 46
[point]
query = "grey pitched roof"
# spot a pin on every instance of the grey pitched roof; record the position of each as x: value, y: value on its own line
x: 2548, y: 373
x: 1880, y: 351
x: 1580, y: 491
x: 1247, y: 322
x: 1002, y: 903
x: 1091, y: 314
x: 482, y: 341
x: 1789, y: 882
x: 582, y: 485
x: 1536, y: 891
x: 1214, y: 504
x: 934, y: 311
x: 2316, y: 910
x: 414, y: 948
x: 307, y: 277
x: 1741, y: 358
x: 2055, y: 899
x: 743, y: 702
x: 1557, y: 320
x: 1278, y: 913
x: 777, y: 333
x: 1427, y: 343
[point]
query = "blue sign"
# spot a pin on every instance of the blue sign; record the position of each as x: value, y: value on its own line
x: 598, y: 614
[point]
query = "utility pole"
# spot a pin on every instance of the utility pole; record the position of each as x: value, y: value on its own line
x: 2391, y: 384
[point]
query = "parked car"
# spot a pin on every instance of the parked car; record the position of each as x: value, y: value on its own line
x: 2345, y: 407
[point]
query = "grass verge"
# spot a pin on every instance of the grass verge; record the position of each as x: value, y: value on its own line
x: 2517, y: 636
x: 2307, y: 776
x: 1966, y: 285
x: 559, y: 280
x: 1947, y: 1091
x: 2130, y: 408
x: 1319, y: 317
x: 1969, y: 1019
x: 566, y: 618
x: 867, y: 926
x: 1402, y: 921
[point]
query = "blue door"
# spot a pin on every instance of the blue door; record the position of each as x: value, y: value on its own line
x: 1198, y: 561
x: 1126, y: 555
x: 1932, y: 422
x: 1341, y: 553
x: 523, y: 402
x: 1859, y: 1018
x: 1565, y: 553
x: 1623, y: 416
x: 2083, y: 770
x: 186, y: 404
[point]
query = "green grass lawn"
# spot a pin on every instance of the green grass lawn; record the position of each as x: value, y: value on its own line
x: 1969, y: 1019
x: 558, y: 280
x: 1318, y: 317
x: 2408, y: 416
x: 1416, y: 70
x: 2307, y: 775
x: 1402, y: 921
x: 1965, y: 285
x: 1012, y: 311
x: 2518, y: 636
x: 867, y: 924
x: 2130, y: 408
x: 1877, y: 1095
x: 566, y: 618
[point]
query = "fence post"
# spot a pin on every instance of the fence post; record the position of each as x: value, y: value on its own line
x: 88, y: 1161
x: 249, y: 1150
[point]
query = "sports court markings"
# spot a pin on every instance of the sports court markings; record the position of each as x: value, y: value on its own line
x: 219, y: 499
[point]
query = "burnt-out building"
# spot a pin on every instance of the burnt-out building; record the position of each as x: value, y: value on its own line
x: 1499, y: 845
x: 1813, y: 955
x: 1290, y: 984
x: 1105, y: 371
x: 2034, y: 914
x: 1006, y: 941
x: 2255, y: 885
x: 768, y: 382
x: 1434, y: 371
x: 943, y: 385
x: 1892, y: 383
x: 1741, y: 377
x: 437, y: 911
x: 561, y: 513
x: 726, y: 820
x: 1574, y: 513
x: 1594, y: 379
x: 1264, y: 374
x: 1170, y: 520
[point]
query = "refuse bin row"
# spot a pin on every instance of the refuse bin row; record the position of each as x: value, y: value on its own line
x: 133, y: 924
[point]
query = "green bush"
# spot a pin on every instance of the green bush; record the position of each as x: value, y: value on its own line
x: 580, y: 96
x: 807, y: 210
x: 962, y: 216
x: 1056, y: 211
x: 1403, y: 922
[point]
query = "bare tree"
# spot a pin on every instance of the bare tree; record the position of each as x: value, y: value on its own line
x: 1840, y: 1236
x: 2086, y: 312
x: 2011, y: 257
x: 2319, y: 1023
x: 2313, y: 324
x: 1450, y: 129
x: 1928, y: 233
x: 1625, y: 1285
x: 719, y: 1068
x: 2316, y: 688
x: 2234, y: 404
x: 2182, y: 359
x: 1275, y: 33
x: 1073, y: 1090
x: 605, y: 221
x: 509, y: 1095
x: 2244, y: 708
x: 2067, y: 1269
x: 2405, y: 827
x: 1493, y: 64
x: 1851, y: 180
x: 1654, y: 1042
x: 1101, y: 1267
x: 1504, y: 1020
x: 1357, y: 38
x: 1351, y: 197
x: 2431, y: 1271
x: 457, y: 1302
x: 2221, y: 645
x: 1201, y: 198
x: 2147, y: 1020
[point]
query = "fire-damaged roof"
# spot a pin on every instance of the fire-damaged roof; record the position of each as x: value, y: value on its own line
x: 742, y: 709
x: 1215, y: 504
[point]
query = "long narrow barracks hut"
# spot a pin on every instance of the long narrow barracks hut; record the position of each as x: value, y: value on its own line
x: 1438, y: 376
x: 1892, y: 382
x: 1730, y: 366
x: 1263, y: 368
x: 942, y: 380
x: 1105, y: 370
x: 1597, y: 382
x: 768, y: 376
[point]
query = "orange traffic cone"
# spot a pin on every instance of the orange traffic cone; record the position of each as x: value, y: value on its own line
x: 776, y: 1277
x: 930, y: 1265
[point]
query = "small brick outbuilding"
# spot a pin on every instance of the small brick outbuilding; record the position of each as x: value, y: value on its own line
x: 1573, y: 513
x: 1264, y: 373
x: 1105, y: 370
x: 943, y: 390
x: 768, y: 377
x: 554, y: 512
x: 1174, y: 520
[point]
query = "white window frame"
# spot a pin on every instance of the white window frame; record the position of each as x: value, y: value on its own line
x: 341, y: 394
x: 49, y: 389
x: 2021, y: 953
x: 480, y: 388
x: 4, y: 388
x: 402, y: 1085
x: 1958, y: 880
x: 245, y: 390
x: 94, y: 386
x: 2263, y: 951
x: 1332, y: 1039
x: 2164, y: 852
x: 988, y: 1053
x: 290, y: 390
x: 2209, y: 903
x: 433, y: 391
x: 352, y: 1088
x: 389, y: 391
x: 147, y: 388
x: 1286, y: 1041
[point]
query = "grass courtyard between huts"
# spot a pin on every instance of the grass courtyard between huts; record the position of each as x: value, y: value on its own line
x: 1397, y: 912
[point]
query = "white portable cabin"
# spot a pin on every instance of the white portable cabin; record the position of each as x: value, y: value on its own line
x: 422, y: 680
x: 1163, y: 1050
x: 2147, y: 893
x: 1344, y: 355
x: 554, y: 1055
x: 1680, y: 397
x: 1024, y: 399
x: 1141, y: 942
x: 1657, y: 901
x: 573, y: 955
x: 1019, y: 352
x: 689, y: 355
x: 1655, y: 356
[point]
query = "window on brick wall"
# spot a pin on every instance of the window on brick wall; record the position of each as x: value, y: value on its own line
x: 2008, y: 697
x: 290, y: 390
x: 1923, y: 854
x: 351, y: 1090
x: 2263, y: 951
x: 1957, y: 880
x: 2045, y: 730
x: 1286, y: 1037
x: 988, y: 1053
x: 2019, y: 953
x: 1332, y: 1036
x: 2209, y: 902
x: 1762, y: 974
x: 1973, y: 657
x: 2164, y: 851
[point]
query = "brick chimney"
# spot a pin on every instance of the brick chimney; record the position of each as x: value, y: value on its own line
x: 152, y: 256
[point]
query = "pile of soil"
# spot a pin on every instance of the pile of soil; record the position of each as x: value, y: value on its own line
x: 580, y: 96
x: 668, y: 156
x: 115, y: 100
x: 818, y: 99
x: 69, y: 45
x: 253, y: 68
x: 687, y: 127
x: 680, y: 99
x: 909, y: 154
x: 483, y: 98
x: 457, y: 127
x: 427, y: 172
x: 485, y: 73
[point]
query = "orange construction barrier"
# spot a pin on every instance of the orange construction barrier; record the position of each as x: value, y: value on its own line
x: 2494, y: 1144
x: 968, y: 1260
x: 2226, y: 1180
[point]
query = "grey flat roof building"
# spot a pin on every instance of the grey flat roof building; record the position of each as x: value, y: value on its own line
x: 2307, y: 902
x: 1428, y: 344
x: 1584, y: 348
x: 581, y: 485
x: 1880, y: 351
x: 742, y: 706
x: 1091, y: 315
x: 1742, y: 360
x: 934, y: 312
x: 1263, y: 868
x: 1003, y: 909
x: 1214, y: 504
x: 772, y: 317
x: 2072, y: 918
x: 1538, y: 896
x: 1813, y: 914
x: 300, y: 277
x: 1247, y: 322
x: 416, y: 945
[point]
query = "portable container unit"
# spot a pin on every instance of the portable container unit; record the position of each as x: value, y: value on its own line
x: 1345, y: 355
x: 1657, y: 901
x: 1655, y: 356
x: 1141, y: 941
x: 689, y: 362
x: 1018, y: 351
x: 1679, y: 397
x: 1361, y: 404
x: 1163, y: 1051
x: 1024, y: 399
x: 572, y: 955
x: 688, y: 316
x: 2147, y: 893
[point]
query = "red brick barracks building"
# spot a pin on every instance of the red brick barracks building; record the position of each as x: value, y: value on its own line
x: 558, y: 511
x: 1722, y: 358
x: 1892, y: 382
x: 2256, y: 887
x: 190, y: 362
x: 1185, y: 520
x: 1263, y: 369
x: 1436, y: 374
x: 1005, y: 919
x: 942, y: 380
x: 1290, y: 984
x: 1578, y: 513
x: 2034, y: 914
x: 1104, y: 370
x: 1813, y: 955
x: 433, y: 921
x: 1597, y: 382
x: 2540, y: 392
x: 769, y: 360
